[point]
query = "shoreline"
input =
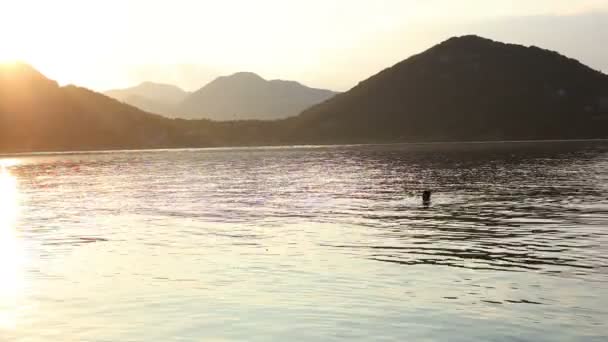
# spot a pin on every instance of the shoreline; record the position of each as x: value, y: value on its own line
x: 302, y: 146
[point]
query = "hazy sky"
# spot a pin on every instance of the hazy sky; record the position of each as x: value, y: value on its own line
x: 104, y: 44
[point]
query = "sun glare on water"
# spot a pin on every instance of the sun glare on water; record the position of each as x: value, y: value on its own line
x: 8, y: 196
x: 11, y: 253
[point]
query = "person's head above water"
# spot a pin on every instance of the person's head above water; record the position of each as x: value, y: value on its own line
x: 426, y: 196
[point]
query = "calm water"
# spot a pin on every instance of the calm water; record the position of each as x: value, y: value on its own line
x: 307, y: 244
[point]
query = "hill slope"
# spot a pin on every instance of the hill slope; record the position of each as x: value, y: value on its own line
x: 151, y: 97
x: 467, y: 88
x: 36, y: 114
x: 245, y: 96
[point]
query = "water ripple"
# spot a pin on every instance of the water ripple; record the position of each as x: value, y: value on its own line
x: 330, y: 240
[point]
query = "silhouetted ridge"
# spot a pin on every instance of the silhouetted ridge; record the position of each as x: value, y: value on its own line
x: 38, y: 115
x: 19, y: 74
x: 467, y: 88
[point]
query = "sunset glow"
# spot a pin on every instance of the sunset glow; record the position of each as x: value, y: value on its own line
x: 109, y: 44
x: 270, y: 170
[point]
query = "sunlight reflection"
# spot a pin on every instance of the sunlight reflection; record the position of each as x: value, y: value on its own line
x: 11, y: 253
x: 9, y: 206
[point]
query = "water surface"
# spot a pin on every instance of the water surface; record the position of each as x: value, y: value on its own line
x: 307, y: 243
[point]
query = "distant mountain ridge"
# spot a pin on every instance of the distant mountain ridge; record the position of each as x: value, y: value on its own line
x: 151, y: 97
x: 464, y: 89
x: 247, y: 96
x: 240, y: 96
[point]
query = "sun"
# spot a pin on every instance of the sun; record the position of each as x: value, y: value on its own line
x: 10, y: 52
x: 53, y: 36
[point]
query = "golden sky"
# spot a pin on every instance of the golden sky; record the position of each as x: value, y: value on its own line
x: 104, y: 44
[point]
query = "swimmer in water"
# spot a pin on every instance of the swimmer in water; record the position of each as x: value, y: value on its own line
x: 426, y: 197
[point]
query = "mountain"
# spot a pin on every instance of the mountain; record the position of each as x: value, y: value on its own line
x: 37, y: 115
x: 466, y: 88
x: 246, y: 96
x: 151, y: 97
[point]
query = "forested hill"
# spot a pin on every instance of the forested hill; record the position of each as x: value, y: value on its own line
x: 468, y: 88
x: 464, y: 89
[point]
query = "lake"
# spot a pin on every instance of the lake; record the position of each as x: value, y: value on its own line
x: 307, y: 243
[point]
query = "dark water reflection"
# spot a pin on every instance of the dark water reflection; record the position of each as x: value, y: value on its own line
x: 313, y: 238
x: 512, y: 207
